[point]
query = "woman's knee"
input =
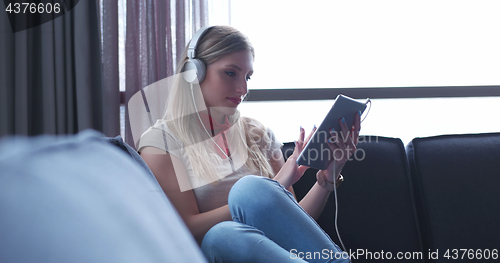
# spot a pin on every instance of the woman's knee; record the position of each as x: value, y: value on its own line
x: 252, y: 197
x: 218, y: 234
x: 252, y: 187
x: 228, y: 237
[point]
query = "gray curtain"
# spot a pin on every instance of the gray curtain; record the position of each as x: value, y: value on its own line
x: 156, y: 32
x: 110, y: 74
x: 51, y: 78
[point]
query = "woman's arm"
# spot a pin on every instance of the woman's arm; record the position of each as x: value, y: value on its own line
x: 287, y: 173
x: 315, y: 200
x: 277, y: 163
x: 161, y: 164
x: 344, y: 145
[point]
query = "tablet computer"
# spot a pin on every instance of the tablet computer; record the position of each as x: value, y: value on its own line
x: 317, y: 153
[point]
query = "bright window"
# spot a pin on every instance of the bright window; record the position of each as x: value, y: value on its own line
x: 384, y: 43
x: 366, y: 43
x: 400, y: 118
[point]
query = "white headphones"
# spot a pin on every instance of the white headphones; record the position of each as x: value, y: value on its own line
x: 194, y: 69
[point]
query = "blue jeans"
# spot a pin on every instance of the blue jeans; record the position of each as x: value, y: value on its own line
x: 268, y: 226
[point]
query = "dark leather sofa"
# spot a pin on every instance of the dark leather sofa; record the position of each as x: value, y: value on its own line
x: 435, y: 200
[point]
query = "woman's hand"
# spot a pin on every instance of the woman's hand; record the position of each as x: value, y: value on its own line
x: 291, y: 172
x: 343, y: 144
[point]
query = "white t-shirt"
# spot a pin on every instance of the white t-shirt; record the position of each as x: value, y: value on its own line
x: 208, y: 195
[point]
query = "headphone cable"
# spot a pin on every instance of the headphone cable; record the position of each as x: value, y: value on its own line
x: 336, y: 206
x: 230, y: 160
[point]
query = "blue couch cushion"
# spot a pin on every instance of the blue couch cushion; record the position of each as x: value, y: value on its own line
x: 81, y: 199
x: 118, y: 142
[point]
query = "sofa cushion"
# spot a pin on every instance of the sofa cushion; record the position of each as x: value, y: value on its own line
x: 118, y: 142
x: 457, y: 180
x: 81, y: 199
x: 376, y: 209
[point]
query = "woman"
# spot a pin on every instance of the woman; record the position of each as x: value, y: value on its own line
x: 226, y: 175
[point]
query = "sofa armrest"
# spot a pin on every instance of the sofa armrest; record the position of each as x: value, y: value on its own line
x: 80, y: 199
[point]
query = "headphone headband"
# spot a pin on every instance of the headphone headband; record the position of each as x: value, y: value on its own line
x: 194, y: 69
x: 191, y: 53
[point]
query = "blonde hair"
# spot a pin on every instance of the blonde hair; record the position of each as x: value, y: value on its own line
x: 246, y: 135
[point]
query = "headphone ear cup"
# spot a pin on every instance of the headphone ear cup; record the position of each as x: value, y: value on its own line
x: 194, y: 71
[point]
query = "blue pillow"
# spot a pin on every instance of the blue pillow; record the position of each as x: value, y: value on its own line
x: 81, y: 199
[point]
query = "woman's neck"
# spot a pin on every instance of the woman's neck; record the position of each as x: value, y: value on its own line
x: 217, y: 116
